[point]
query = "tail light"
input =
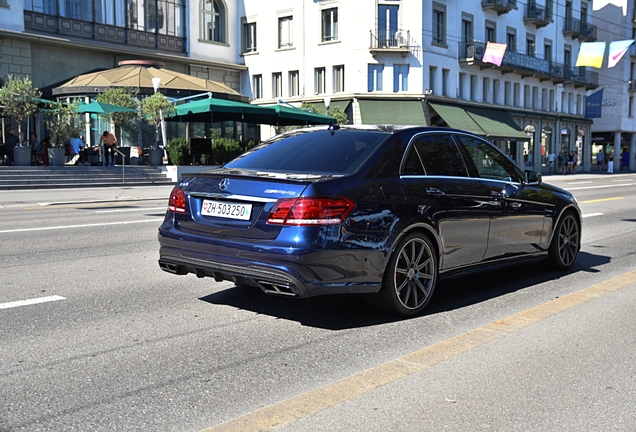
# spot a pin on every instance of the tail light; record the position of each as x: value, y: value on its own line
x: 310, y: 211
x: 177, y: 201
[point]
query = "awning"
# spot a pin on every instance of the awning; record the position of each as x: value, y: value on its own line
x: 398, y: 112
x: 455, y: 117
x: 491, y: 123
x: 341, y: 104
x: 497, y: 124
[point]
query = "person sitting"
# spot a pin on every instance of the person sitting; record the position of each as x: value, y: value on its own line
x: 44, y: 147
x: 36, y: 149
x: 73, y: 149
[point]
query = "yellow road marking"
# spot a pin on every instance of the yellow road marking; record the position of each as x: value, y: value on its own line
x: 602, y: 200
x: 314, y: 401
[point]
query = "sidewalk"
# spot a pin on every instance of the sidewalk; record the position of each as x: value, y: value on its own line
x: 11, y: 198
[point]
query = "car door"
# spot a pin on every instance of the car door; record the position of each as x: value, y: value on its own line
x: 440, y: 193
x: 517, y: 213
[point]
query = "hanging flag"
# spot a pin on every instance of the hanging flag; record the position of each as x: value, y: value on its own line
x: 591, y: 54
x: 494, y: 53
x: 617, y: 50
x: 593, y: 104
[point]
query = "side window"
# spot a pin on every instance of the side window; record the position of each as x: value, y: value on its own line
x: 489, y: 162
x: 440, y: 155
x: 413, y: 164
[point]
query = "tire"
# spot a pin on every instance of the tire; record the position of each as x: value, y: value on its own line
x: 410, y: 277
x: 566, y: 243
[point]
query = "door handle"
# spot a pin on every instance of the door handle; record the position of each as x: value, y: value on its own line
x: 435, y: 192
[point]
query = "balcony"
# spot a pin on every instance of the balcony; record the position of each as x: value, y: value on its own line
x: 579, y: 30
x: 472, y: 53
x: 538, y: 17
x: 399, y: 41
x: 499, y: 6
x: 108, y: 35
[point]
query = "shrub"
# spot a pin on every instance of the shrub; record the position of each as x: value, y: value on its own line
x: 178, y: 151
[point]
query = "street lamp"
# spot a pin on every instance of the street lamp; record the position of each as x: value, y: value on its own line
x: 156, y: 82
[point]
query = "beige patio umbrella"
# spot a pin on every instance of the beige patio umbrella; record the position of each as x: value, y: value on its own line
x: 139, y: 74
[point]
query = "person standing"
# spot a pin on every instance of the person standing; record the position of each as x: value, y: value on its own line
x: 110, y: 144
x: 599, y: 160
x: 570, y: 162
x: 610, y: 163
x: 10, y: 141
x: 561, y: 162
x: 551, y: 160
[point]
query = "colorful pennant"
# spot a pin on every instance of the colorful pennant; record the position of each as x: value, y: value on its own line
x: 617, y: 50
x: 591, y: 54
x: 494, y: 53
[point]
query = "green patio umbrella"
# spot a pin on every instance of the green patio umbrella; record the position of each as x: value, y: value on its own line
x: 215, y: 110
x: 102, y: 108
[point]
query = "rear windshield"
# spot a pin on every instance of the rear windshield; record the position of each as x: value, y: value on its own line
x: 334, y: 152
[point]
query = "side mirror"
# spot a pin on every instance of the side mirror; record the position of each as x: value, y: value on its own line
x: 533, y: 177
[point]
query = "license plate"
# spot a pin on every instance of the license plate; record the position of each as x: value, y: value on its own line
x: 226, y: 210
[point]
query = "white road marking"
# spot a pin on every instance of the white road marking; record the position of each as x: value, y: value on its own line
x: 131, y: 210
x: 601, y: 187
x: 592, y: 215
x: 31, y: 301
x: 80, y: 226
x: 580, y: 182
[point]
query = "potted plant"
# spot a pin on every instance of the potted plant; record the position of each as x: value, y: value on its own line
x: 154, y: 108
x: 62, y: 124
x: 19, y: 100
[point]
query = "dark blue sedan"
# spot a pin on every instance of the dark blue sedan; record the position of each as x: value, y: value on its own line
x: 375, y: 210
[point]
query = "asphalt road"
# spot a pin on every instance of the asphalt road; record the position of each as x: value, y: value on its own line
x: 116, y: 344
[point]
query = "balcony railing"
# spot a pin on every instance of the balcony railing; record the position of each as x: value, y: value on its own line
x: 35, y: 22
x: 576, y: 29
x: 499, y: 6
x: 393, y: 41
x: 525, y: 65
x: 537, y: 16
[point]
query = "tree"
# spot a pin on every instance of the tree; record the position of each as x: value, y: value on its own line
x: 19, y: 99
x: 337, y: 113
x: 124, y: 97
x: 64, y: 122
x: 155, y: 108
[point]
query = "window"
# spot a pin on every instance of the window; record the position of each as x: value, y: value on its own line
x: 445, y: 82
x: 387, y: 24
x: 547, y: 51
x: 338, y: 79
x: 630, y: 107
x: 277, y: 85
x: 491, y: 31
x: 78, y: 9
x: 439, y: 24
x: 432, y: 75
x: 490, y: 163
x: 486, y: 92
x: 257, y: 86
x: 249, y: 37
x: 511, y: 39
x: 294, y: 88
x: 530, y: 45
x: 110, y: 12
x: 495, y: 91
x: 213, y: 20
x: 400, y: 77
x: 507, y: 93
x: 330, y: 24
x: 439, y: 156
x: 375, y: 77
x: 319, y: 80
x: 48, y: 7
x: 285, y: 32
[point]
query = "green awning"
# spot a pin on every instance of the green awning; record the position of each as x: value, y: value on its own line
x: 497, y: 124
x: 398, y: 112
x: 342, y: 104
x: 456, y: 117
x: 494, y: 124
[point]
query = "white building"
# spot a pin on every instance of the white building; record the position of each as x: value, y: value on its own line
x: 615, y: 131
x: 392, y: 61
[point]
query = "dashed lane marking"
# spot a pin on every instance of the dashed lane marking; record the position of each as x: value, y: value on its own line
x: 31, y: 301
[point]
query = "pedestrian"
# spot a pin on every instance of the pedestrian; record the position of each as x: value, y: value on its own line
x: 570, y: 162
x: 110, y: 144
x: 10, y: 141
x: 74, y: 149
x: 575, y: 161
x: 551, y: 160
x: 599, y: 160
x: 610, y: 162
x: 561, y: 162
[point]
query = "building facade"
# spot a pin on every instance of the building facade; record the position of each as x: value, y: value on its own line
x: 396, y: 61
x: 615, y: 131
x: 53, y: 41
